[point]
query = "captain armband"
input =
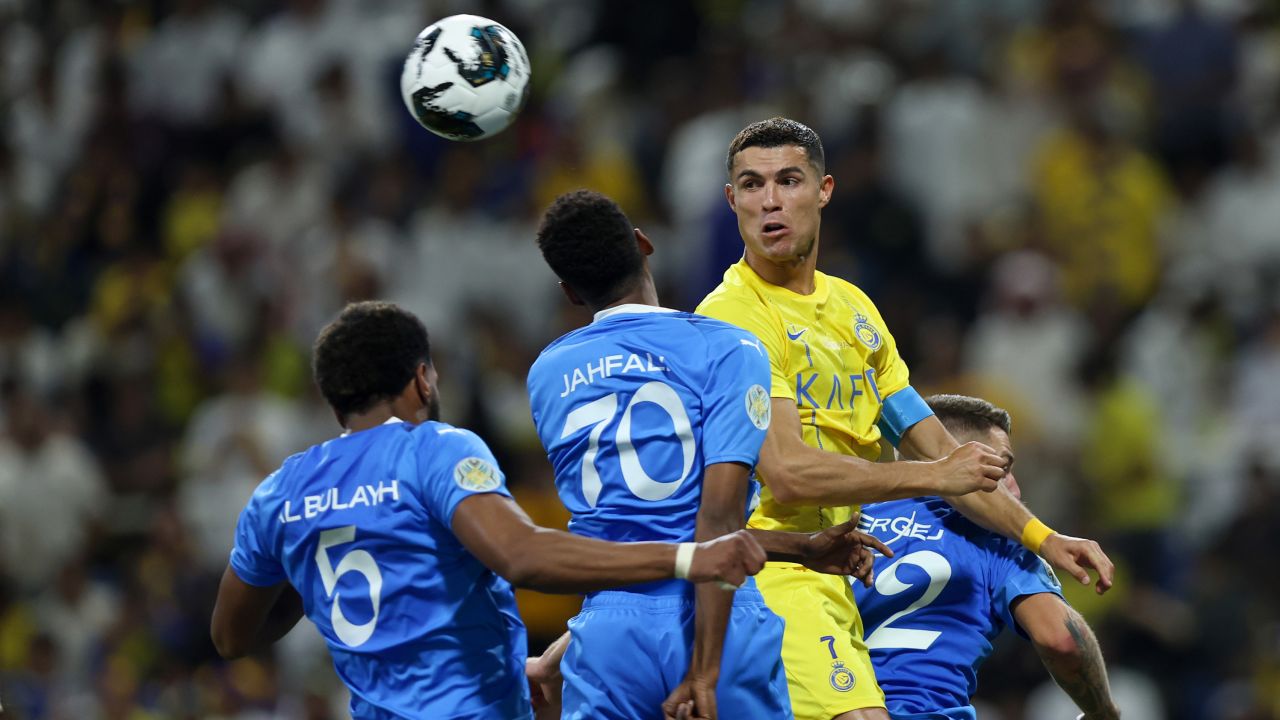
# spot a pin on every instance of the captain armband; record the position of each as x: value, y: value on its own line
x: 900, y: 411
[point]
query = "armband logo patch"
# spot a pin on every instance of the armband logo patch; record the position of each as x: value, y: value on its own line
x: 842, y: 678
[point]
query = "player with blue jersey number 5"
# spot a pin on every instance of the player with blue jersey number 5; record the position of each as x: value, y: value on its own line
x: 653, y: 420
x: 837, y: 386
x: 400, y: 542
x: 933, y: 613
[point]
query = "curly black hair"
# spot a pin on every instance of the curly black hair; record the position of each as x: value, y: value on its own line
x: 368, y: 354
x: 777, y: 132
x: 590, y: 244
x: 964, y: 415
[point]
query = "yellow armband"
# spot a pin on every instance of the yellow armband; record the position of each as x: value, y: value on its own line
x: 1034, y: 534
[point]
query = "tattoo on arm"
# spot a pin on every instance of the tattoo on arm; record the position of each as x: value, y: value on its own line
x: 1087, y: 683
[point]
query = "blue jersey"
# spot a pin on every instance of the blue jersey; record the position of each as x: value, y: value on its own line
x: 938, y: 604
x: 634, y: 406
x: 360, y: 526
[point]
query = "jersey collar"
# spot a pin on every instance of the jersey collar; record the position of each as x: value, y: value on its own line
x: 629, y: 308
x: 388, y: 421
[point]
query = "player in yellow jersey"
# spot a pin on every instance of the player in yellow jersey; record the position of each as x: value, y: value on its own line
x: 838, y: 386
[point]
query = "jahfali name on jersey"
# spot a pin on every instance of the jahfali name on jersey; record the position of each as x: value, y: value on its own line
x: 611, y: 365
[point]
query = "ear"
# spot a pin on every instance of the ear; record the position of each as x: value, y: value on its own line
x: 643, y: 242
x: 422, y: 385
x: 825, y: 189
x: 573, y: 296
x: 728, y: 195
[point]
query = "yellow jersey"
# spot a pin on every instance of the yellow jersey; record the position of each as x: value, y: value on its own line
x: 831, y: 354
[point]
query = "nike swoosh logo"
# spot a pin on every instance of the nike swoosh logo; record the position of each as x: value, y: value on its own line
x: 796, y: 336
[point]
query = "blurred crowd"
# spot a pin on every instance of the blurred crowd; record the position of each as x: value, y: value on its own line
x: 1070, y: 207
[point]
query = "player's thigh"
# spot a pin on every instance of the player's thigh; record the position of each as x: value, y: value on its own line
x: 621, y: 663
x: 753, y: 682
x: 828, y: 666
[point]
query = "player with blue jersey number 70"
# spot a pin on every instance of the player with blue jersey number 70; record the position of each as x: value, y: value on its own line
x: 653, y: 420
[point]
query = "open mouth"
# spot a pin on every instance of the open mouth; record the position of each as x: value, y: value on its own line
x: 774, y: 229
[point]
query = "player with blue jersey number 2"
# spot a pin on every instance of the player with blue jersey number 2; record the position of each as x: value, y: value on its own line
x: 933, y: 613
x: 400, y: 542
x: 653, y: 420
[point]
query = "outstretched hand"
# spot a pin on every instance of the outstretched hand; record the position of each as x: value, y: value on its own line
x: 1075, y: 556
x: 844, y: 550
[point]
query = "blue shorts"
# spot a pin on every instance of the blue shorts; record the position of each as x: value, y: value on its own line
x: 630, y: 650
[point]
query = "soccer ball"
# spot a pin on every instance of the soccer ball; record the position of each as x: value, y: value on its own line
x: 466, y: 78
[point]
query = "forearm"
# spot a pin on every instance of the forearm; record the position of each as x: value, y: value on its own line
x: 719, y: 515
x: 781, y: 546
x: 809, y: 476
x: 554, y: 561
x: 1080, y: 671
x: 998, y: 511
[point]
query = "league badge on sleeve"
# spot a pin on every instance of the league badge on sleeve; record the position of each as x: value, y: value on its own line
x: 758, y: 408
x: 476, y: 475
x: 866, y: 332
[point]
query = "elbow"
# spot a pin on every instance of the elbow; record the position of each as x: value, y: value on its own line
x: 228, y: 646
x: 1057, y: 645
x: 520, y: 569
x: 785, y: 488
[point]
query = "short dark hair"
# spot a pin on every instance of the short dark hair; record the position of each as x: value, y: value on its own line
x: 776, y: 132
x: 590, y: 244
x: 964, y: 415
x: 368, y: 354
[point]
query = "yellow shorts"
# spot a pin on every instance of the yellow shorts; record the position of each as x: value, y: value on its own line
x: 828, y: 667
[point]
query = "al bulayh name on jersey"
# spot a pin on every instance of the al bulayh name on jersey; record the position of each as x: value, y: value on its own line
x: 329, y: 500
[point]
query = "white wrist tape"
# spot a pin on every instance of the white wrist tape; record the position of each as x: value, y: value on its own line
x: 684, y: 559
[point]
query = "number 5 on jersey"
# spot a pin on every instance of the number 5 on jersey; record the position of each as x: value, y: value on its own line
x: 358, y: 561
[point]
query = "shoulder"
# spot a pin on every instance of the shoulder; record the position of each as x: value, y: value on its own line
x: 848, y: 291
x: 743, y: 308
x: 445, y: 438
x: 717, y: 331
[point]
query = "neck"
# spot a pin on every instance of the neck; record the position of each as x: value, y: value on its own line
x: 380, y: 413
x: 644, y: 294
x: 796, y: 274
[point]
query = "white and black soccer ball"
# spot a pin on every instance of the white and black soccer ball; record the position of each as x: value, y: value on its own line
x: 466, y: 78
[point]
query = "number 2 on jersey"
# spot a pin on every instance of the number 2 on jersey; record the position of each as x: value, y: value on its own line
x: 358, y: 561
x: 887, y: 583
x: 597, y: 414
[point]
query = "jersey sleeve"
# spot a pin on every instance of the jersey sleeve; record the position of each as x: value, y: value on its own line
x: 457, y: 466
x: 252, y: 557
x: 1018, y: 572
x: 756, y: 320
x: 735, y: 400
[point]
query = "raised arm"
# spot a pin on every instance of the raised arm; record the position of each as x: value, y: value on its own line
x: 1069, y: 651
x: 798, y: 474
x: 1001, y: 512
x: 499, y: 533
